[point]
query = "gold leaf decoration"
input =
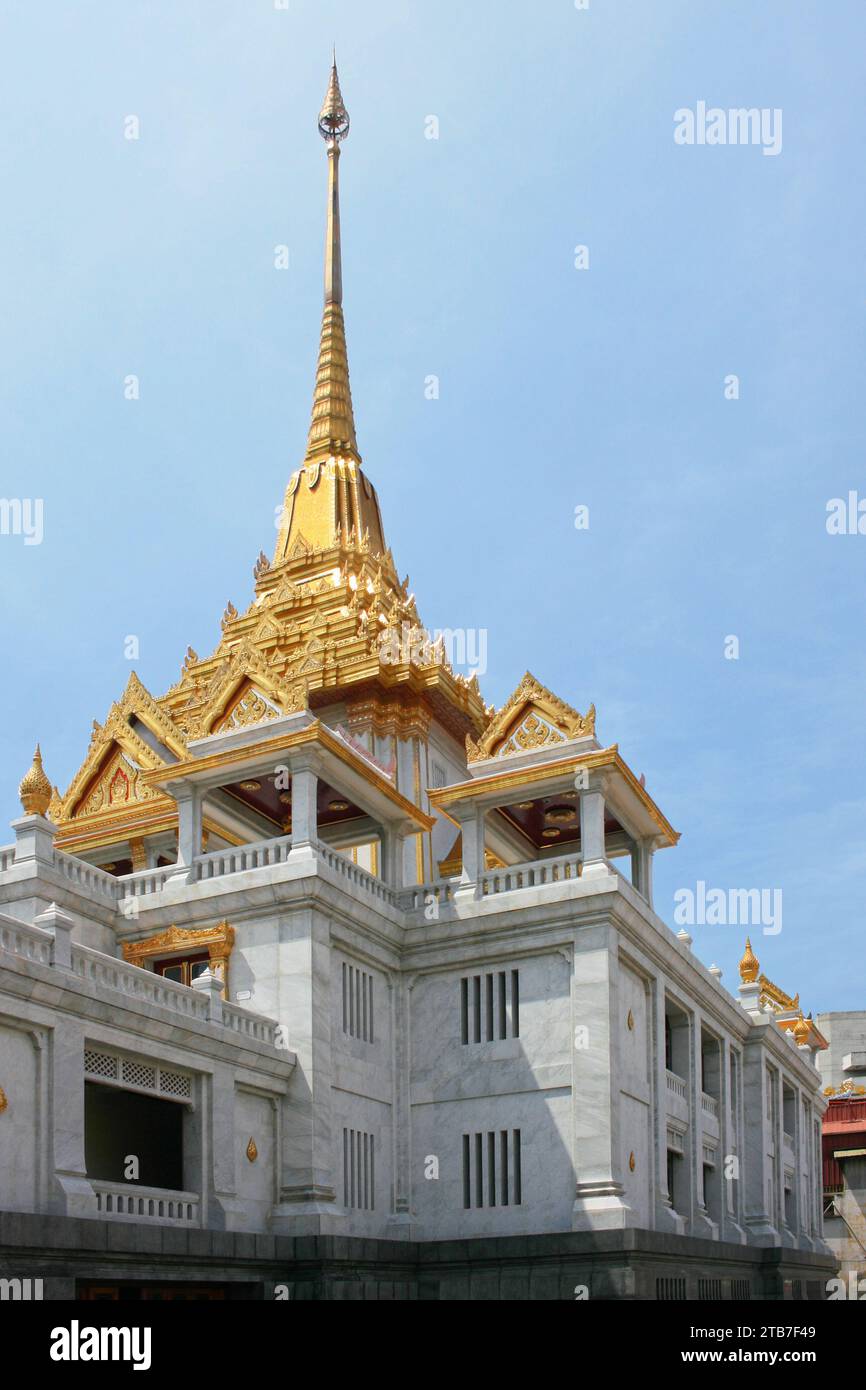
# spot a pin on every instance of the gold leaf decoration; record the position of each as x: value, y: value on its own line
x: 252, y: 1151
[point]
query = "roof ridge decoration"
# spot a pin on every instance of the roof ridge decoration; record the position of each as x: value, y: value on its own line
x: 533, y: 717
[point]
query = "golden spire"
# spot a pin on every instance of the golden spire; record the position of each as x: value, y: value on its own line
x: 35, y: 789
x: 332, y: 429
x: 749, y: 966
x: 329, y: 502
x: 802, y: 1031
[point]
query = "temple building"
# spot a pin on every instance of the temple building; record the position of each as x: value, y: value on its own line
x: 843, y: 1068
x: 324, y: 979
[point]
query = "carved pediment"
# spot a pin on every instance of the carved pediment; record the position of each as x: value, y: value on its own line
x: 116, y: 787
x: 533, y: 718
x: 246, y: 690
x: 248, y: 707
x: 109, y: 778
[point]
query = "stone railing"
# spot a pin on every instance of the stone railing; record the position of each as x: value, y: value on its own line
x: 355, y: 876
x: 86, y: 876
x: 533, y: 875
x: 30, y: 943
x: 248, y: 1025
x: 117, y: 1201
x: 144, y: 882
x: 709, y: 1105
x: 425, y: 895
x: 7, y: 858
x: 135, y: 983
x: 241, y: 858
x: 676, y: 1085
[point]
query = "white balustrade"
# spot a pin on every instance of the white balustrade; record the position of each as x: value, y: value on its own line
x: 121, y: 1202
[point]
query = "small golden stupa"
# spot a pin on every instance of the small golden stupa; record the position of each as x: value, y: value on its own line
x: 35, y: 790
x: 749, y: 966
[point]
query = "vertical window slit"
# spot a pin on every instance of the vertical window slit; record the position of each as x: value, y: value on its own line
x: 503, y: 1156
x: 464, y: 1012
x: 518, y: 1193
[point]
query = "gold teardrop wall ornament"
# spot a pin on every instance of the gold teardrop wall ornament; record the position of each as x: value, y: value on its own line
x: 4, y: 1103
x: 252, y: 1151
x: 632, y: 1163
x: 630, y: 1021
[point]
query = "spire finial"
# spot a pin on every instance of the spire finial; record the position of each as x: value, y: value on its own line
x: 334, y: 118
x: 35, y: 788
x: 749, y: 965
x: 332, y: 431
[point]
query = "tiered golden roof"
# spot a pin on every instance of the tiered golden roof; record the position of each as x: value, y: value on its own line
x: 312, y: 635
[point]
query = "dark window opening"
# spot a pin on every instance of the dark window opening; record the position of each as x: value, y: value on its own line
x: 119, y: 1125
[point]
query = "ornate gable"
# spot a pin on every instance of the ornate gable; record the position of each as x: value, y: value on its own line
x: 109, y: 778
x: 116, y: 787
x: 533, y: 718
x: 244, y: 690
x: 247, y: 707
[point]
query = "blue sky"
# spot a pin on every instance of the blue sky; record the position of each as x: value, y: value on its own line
x: 559, y: 387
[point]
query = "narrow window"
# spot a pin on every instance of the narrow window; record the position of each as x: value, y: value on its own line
x: 345, y: 1009
x: 464, y: 1011
x: 479, y: 1172
x: 502, y: 1020
x: 345, y: 1164
x: 351, y: 1001
x: 476, y: 1000
x: 358, y: 1033
x: 364, y: 1005
x: 518, y: 1193
x: 515, y: 1003
x: 490, y: 1008
x: 491, y: 1169
x: 372, y: 1175
x: 351, y: 1167
x: 370, y: 989
x: 467, y: 1171
x: 503, y: 1154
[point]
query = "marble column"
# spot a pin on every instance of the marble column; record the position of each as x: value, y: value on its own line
x: 189, y: 804
x: 592, y: 833
x: 305, y: 810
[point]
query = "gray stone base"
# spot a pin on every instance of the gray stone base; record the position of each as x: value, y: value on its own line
x: 67, y: 1254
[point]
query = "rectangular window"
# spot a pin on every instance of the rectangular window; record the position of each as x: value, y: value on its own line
x: 359, y: 1170
x: 492, y: 1169
x: 357, y: 1003
x: 490, y: 1007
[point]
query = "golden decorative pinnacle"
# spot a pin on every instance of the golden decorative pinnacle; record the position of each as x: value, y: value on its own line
x: 334, y: 118
x: 35, y: 789
x: 802, y: 1032
x: 749, y: 966
x: 332, y: 428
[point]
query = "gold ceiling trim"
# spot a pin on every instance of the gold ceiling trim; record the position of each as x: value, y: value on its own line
x: 444, y: 797
x: 315, y: 734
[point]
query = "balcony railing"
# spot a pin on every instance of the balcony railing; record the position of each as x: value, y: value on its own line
x: 31, y: 943
x: 709, y: 1106
x: 531, y: 875
x: 676, y: 1085
x: 119, y: 1202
